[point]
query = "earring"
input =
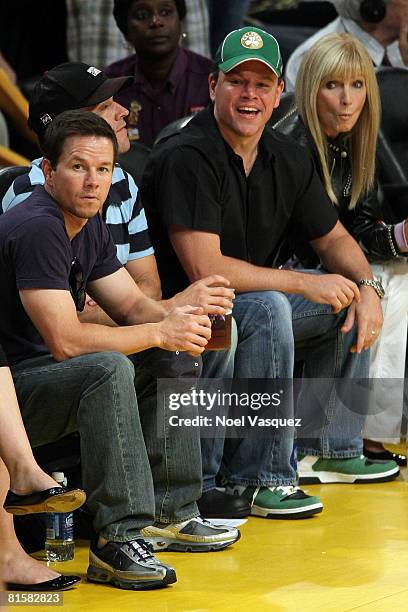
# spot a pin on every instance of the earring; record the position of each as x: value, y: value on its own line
x: 128, y: 46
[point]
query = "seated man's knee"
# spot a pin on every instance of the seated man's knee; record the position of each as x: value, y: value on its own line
x: 115, y: 363
x: 263, y: 307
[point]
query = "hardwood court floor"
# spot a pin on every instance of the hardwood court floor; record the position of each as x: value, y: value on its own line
x: 353, y: 556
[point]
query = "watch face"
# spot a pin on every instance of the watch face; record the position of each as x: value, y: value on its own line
x: 380, y: 288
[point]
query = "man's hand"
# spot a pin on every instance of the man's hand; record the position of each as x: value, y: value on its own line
x: 333, y: 289
x: 185, y: 329
x: 211, y: 293
x: 368, y: 317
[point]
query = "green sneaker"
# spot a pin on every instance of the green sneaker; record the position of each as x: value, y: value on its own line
x: 278, y: 502
x: 355, y: 470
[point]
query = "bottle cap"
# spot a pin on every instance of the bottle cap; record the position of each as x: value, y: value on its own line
x: 59, y: 477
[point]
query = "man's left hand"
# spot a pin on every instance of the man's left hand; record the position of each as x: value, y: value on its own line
x: 367, y: 314
x: 212, y: 293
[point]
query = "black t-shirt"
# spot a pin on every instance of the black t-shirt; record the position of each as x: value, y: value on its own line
x: 195, y: 180
x: 36, y: 253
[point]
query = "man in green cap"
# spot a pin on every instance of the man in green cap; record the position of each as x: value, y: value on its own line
x: 221, y: 197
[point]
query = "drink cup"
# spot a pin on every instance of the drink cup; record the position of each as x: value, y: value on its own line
x: 220, y: 332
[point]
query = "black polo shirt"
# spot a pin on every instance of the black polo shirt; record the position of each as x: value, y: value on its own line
x: 195, y: 180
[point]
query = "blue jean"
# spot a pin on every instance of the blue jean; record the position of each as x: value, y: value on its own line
x: 95, y: 394
x: 271, y: 326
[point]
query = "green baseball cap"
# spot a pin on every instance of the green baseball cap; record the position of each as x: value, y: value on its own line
x: 246, y: 44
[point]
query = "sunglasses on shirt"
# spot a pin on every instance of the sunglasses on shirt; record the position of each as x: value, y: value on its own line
x: 77, y: 284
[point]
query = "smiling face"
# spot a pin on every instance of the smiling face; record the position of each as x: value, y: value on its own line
x: 82, y: 177
x: 339, y: 104
x: 244, y: 99
x: 153, y: 27
x: 114, y: 114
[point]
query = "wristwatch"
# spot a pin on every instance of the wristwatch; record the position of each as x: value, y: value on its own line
x: 375, y: 284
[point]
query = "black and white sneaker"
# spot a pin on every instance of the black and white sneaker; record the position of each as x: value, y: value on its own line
x: 194, y: 535
x: 128, y: 565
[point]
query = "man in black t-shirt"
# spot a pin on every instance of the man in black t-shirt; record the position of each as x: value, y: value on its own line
x: 220, y: 196
x: 73, y: 376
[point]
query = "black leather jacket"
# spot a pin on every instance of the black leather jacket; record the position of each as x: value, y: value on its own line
x: 365, y: 222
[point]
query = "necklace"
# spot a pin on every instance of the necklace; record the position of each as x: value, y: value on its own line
x: 248, y: 164
x: 347, y: 186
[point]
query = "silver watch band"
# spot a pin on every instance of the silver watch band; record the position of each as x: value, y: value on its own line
x: 375, y: 284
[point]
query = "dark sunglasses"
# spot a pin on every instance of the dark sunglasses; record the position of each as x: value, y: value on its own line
x: 77, y: 284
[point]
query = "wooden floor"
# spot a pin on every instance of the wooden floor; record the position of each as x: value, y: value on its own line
x: 353, y: 556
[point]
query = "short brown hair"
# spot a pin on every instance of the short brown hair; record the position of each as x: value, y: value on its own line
x: 74, y: 123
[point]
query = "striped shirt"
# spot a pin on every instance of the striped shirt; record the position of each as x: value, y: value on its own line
x: 123, y: 212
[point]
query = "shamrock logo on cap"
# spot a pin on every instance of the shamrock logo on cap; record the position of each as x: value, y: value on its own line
x: 251, y: 40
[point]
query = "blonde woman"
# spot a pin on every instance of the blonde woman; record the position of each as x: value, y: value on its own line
x: 337, y: 116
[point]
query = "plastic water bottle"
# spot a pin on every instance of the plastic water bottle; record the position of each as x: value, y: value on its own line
x: 59, y: 543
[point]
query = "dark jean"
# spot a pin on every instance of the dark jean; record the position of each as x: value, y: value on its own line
x: 95, y: 394
x: 271, y: 327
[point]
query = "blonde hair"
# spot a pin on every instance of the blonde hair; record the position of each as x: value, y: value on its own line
x: 341, y: 56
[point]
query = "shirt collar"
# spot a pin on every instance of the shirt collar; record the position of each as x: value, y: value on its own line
x: 207, y: 123
x: 374, y: 48
x: 176, y: 73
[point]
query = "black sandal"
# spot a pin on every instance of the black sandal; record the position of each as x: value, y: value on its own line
x: 56, y: 584
x: 56, y: 499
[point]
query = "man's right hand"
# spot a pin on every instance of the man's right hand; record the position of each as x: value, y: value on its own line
x: 333, y: 289
x: 211, y: 293
x: 185, y: 329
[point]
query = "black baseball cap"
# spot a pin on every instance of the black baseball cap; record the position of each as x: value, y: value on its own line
x: 67, y: 87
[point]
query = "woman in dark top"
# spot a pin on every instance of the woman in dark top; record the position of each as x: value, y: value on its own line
x: 169, y: 82
x: 337, y: 116
x: 30, y: 490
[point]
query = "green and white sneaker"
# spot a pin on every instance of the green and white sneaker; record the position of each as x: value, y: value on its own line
x: 355, y: 470
x: 278, y: 502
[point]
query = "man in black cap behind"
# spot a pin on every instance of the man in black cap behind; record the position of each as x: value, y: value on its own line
x: 75, y: 85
